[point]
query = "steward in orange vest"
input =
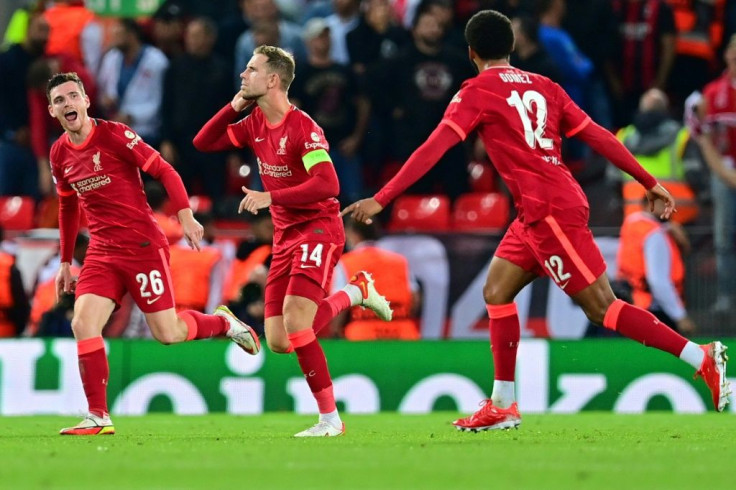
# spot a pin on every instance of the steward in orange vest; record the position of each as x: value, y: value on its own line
x: 194, y: 277
x: 391, y: 273
x: 250, y: 255
x: 14, y: 306
x: 650, y: 261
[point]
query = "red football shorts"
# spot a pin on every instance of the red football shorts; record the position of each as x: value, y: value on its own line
x: 145, y: 277
x: 304, y: 265
x: 560, y: 246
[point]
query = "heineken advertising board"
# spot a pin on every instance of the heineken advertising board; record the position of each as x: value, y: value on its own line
x: 41, y: 377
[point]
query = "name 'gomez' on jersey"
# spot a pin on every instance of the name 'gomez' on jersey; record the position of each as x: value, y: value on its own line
x: 519, y: 117
x: 103, y: 172
x: 285, y: 152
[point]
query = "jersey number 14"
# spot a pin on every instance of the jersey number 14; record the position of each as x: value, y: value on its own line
x: 535, y: 103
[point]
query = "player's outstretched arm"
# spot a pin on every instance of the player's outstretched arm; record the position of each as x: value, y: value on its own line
x: 363, y: 210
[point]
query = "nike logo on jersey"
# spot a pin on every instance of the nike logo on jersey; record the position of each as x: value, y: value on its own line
x: 258, y: 140
x: 67, y: 170
x: 564, y: 285
x: 152, y: 301
x: 305, y: 266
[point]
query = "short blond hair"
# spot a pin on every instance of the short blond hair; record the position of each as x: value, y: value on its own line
x: 280, y: 62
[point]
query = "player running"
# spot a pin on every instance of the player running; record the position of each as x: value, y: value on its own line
x: 96, y: 163
x: 301, y: 185
x: 520, y: 117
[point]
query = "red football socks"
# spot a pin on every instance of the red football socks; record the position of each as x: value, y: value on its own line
x: 640, y: 325
x: 95, y: 372
x: 505, y: 335
x: 201, y: 326
x: 314, y: 366
x: 329, y: 308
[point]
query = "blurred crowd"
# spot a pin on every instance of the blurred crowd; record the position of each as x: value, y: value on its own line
x: 377, y: 76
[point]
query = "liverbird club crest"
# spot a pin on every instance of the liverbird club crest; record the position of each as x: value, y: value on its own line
x: 96, y: 161
x: 282, y: 146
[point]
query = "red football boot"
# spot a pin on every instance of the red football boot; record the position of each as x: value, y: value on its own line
x: 713, y: 372
x: 490, y: 417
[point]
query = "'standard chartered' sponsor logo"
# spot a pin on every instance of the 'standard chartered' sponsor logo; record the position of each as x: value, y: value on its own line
x: 133, y: 137
x: 278, y: 171
x: 91, y: 184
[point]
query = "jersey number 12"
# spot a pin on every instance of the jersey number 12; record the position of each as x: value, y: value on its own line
x: 532, y: 102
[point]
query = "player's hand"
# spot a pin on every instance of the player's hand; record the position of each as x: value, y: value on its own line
x: 363, y: 210
x: 686, y: 327
x: 254, y: 200
x: 659, y: 193
x: 190, y: 227
x: 65, y: 282
x: 239, y: 102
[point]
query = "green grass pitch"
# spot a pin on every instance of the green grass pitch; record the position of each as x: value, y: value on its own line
x: 386, y: 451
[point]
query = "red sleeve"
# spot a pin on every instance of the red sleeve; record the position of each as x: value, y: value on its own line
x: 68, y: 225
x: 216, y: 134
x: 605, y: 143
x: 163, y: 171
x: 462, y: 113
x: 424, y: 158
x: 322, y: 184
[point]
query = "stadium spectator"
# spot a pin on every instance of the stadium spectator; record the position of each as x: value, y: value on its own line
x: 664, y: 148
x: 329, y: 92
x: 184, y: 109
x: 645, y: 54
x: 651, y: 261
x: 131, y: 81
x: 391, y: 273
x: 19, y: 170
x: 95, y: 164
x: 300, y: 188
x: 528, y: 55
x: 418, y: 84
x: 266, y: 12
x: 74, y: 33
x: 344, y: 19
x: 550, y: 234
x: 717, y: 112
x: 169, y: 23
x: 14, y: 305
x: 699, y: 25
x: 376, y: 37
x: 229, y: 29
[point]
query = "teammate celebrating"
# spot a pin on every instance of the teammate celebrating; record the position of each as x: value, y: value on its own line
x: 96, y: 163
x: 520, y: 117
x: 301, y: 185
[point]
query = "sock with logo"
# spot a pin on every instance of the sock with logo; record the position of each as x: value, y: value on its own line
x: 313, y: 363
x: 201, y: 326
x: 95, y: 372
x: 505, y: 334
x: 640, y: 325
x: 332, y: 306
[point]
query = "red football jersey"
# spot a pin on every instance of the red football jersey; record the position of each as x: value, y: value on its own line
x: 104, y: 173
x: 283, y: 152
x: 520, y: 117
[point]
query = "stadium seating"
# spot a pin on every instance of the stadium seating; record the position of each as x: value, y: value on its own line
x: 488, y: 211
x: 420, y: 213
x: 17, y: 212
x: 482, y: 177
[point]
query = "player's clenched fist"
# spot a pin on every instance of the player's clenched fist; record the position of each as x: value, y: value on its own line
x: 363, y: 210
